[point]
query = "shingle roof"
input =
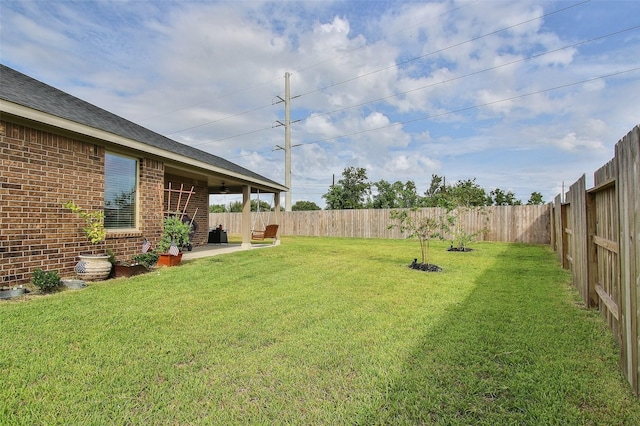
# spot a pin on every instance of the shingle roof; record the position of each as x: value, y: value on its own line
x: 29, y: 92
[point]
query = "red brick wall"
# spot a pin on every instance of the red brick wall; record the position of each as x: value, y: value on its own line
x: 39, y: 171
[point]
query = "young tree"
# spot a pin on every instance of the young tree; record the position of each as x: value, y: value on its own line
x: 351, y: 192
x: 461, y: 236
x: 464, y: 198
x: 424, y: 229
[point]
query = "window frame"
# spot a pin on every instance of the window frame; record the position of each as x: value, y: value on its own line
x: 136, y: 202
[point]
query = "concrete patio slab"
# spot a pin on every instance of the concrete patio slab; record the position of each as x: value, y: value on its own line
x: 216, y: 249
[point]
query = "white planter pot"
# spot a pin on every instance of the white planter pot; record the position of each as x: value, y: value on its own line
x: 93, y: 267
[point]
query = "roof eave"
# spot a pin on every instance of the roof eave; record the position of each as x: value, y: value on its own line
x: 170, y: 157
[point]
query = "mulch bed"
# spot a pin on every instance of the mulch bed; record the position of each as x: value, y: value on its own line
x: 461, y: 249
x: 426, y: 267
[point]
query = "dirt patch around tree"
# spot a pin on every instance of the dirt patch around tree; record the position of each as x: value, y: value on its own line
x: 461, y: 249
x: 426, y: 267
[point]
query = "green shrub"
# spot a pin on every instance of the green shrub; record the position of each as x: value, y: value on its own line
x: 146, y: 259
x: 46, y: 281
x: 174, y: 230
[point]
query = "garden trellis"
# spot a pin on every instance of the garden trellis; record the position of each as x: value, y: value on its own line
x: 180, y: 210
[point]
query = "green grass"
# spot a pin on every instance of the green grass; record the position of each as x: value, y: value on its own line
x: 318, y: 331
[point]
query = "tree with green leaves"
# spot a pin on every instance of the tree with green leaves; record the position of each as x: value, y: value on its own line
x: 304, y: 206
x: 468, y: 193
x: 461, y: 237
x: 436, y: 195
x: 464, y: 198
x: 502, y: 198
x: 462, y: 193
x: 535, y: 199
x: 424, y: 229
x: 395, y: 195
x: 351, y: 192
x: 236, y: 206
x: 217, y: 208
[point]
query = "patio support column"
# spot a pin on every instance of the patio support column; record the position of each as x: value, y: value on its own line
x: 246, y: 217
x: 278, y: 213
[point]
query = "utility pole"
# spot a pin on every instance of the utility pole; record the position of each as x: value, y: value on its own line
x: 287, y: 139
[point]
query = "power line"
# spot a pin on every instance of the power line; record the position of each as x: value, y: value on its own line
x: 363, y: 75
x: 220, y: 119
x: 276, y: 79
x: 233, y: 136
x: 235, y: 92
x: 448, y: 80
x: 348, y: 52
x: 396, y: 65
x: 470, y: 74
x: 476, y: 106
x: 417, y: 88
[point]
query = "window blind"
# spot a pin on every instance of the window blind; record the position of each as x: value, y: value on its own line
x: 120, y: 192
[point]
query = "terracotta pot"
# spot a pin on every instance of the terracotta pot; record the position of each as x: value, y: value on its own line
x: 169, y: 260
x: 93, y: 267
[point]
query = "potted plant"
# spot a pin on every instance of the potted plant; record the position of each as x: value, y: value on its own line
x: 139, y: 264
x: 92, y: 267
x: 175, y: 236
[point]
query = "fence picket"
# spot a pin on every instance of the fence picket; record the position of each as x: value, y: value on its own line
x: 521, y: 224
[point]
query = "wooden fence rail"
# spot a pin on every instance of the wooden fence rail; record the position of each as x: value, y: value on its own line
x: 523, y: 224
x: 596, y: 234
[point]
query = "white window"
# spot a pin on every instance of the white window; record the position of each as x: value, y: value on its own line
x: 120, y: 191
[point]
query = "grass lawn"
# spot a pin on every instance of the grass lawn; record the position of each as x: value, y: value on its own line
x: 318, y: 331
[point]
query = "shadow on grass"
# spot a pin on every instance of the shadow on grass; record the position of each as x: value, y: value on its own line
x: 518, y: 350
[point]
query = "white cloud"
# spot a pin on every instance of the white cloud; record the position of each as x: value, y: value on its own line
x: 408, y: 165
x: 209, y: 75
x: 572, y: 141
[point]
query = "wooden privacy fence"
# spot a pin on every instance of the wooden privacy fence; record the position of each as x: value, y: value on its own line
x: 523, y: 224
x: 596, y: 234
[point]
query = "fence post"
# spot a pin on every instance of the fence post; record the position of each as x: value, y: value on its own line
x: 564, y: 239
x: 592, y: 254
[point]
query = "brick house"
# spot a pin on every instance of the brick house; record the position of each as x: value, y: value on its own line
x: 55, y: 147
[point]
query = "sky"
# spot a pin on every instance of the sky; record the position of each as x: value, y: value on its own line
x: 520, y: 95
